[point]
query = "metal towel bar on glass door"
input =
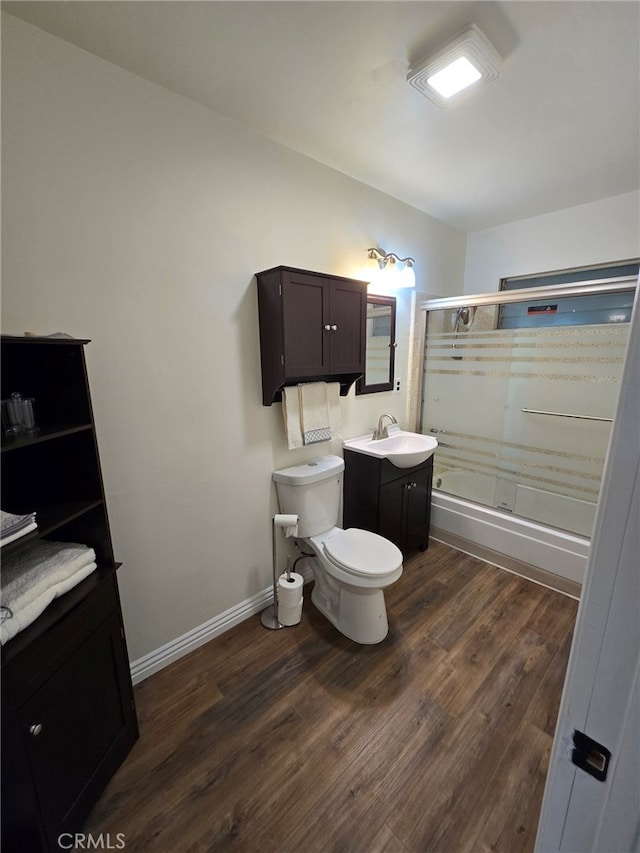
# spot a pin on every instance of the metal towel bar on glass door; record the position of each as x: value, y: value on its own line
x: 566, y: 415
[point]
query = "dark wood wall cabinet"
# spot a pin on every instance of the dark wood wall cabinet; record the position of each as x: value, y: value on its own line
x: 312, y: 328
x: 68, y: 715
x: 394, y: 502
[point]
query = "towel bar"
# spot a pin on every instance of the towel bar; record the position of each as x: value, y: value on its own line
x: 566, y: 415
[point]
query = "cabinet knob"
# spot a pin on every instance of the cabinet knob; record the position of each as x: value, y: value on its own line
x: 334, y: 328
x: 35, y: 729
x: 327, y: 328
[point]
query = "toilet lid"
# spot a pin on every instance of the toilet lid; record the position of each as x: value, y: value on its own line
x: 364, y: 553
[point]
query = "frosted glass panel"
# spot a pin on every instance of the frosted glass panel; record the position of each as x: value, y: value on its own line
x: 498, y: 401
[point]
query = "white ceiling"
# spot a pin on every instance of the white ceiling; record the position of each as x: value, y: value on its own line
x: 560, y: 127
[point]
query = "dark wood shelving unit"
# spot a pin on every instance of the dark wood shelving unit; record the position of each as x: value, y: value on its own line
x: 68, y: 715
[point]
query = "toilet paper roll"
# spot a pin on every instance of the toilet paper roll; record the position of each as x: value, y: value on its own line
x: 289, y: 523
x: 290, y: 615
x: 290, y: 598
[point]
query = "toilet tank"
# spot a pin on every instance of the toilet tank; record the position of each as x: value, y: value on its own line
x: 311, y: 491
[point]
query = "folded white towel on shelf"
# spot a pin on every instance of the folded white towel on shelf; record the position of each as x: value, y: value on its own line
x: 11, y: 537
x: 34, y: 576
x: 13, y: 526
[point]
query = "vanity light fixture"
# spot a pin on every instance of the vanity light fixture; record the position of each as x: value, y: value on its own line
x: 393, y: 271
x: 469, y: 60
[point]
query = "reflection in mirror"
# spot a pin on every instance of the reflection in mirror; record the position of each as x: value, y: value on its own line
x: 381, y: 343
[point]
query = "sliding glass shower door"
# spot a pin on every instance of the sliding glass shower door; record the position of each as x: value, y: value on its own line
x: 520, y: 393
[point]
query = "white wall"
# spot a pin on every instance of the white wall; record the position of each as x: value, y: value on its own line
x: 137, y: 218
x: 603, y: 231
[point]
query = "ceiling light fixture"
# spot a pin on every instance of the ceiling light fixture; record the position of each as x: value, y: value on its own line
x: 469, y: 60
x: 393, y: 271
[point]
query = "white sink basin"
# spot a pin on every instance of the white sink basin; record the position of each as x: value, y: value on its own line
x: 402, y: 449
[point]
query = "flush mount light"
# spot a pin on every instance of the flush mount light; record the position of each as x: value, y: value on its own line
x: 469, y: 60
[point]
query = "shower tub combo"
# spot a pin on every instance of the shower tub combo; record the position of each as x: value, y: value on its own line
x: 520, y: 388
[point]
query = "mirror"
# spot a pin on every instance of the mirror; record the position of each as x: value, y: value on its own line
x: 380, y: 344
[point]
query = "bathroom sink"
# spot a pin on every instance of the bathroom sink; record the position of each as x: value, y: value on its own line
x: 402, y: 449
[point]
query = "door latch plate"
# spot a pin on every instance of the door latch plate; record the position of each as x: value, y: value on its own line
x: 590, y: 756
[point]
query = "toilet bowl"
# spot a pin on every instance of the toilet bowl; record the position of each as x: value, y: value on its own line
x: 351, y: 567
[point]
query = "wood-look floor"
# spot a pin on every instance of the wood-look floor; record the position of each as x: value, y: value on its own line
x: 299, y: 740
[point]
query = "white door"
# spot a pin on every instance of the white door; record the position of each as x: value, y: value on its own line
x: 601, y: 696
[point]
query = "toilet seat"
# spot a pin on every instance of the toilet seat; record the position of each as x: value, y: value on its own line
x: 362, y: 553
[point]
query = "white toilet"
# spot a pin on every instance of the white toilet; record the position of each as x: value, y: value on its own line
x: 351, y: 567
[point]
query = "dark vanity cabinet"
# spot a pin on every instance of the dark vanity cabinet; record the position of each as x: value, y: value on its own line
x: 312, y: 328
x: 394, y: 502
x: 68, y: 715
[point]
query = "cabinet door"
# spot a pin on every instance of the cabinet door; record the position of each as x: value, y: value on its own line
x: 391, y: 521
x: 75, y: 727
x: 348, y: 316
x: 418, y: 510
x: 305, y: 313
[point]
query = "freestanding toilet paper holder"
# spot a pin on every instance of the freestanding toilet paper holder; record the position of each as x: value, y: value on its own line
x: 269, y: 616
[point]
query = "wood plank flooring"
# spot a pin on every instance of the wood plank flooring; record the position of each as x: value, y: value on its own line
x: 300, y: 741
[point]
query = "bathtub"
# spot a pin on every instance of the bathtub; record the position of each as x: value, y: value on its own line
x: 529, y: 546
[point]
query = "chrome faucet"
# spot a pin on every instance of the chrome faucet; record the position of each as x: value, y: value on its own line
x: 380, y: 431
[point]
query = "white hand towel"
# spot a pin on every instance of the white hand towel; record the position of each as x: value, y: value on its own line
x: 314, y: 412
x: 291, y: 415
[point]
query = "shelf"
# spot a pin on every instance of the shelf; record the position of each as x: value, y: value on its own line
x: 55, y: 611
x: 44, y: 434
x: 68, y: 668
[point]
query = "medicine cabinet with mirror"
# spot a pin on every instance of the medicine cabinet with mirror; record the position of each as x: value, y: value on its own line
x: 380, y: 345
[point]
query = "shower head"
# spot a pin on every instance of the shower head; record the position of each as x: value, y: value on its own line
x: 463, y: 316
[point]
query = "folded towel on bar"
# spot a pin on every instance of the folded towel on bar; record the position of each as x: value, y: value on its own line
x: 12, y: 526
x: 314, y: 412
x: 34, y: 576
x: 311, y: 413
x: 291, y: 415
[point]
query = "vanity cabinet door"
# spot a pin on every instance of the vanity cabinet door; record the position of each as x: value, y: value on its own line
x: 392, y: 511
x: 418, y: 510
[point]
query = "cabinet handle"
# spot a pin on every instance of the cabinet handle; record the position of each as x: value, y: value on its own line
x: 334, y: 328
x: 35, y: 729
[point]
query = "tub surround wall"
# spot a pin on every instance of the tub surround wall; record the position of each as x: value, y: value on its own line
x: 137, y: 218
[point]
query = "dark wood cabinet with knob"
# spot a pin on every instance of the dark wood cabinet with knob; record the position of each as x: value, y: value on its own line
x: 312, y: 328
x: 394, y: 502
x: 68, y: 715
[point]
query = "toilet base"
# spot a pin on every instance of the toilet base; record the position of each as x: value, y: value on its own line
x: 361, y: 616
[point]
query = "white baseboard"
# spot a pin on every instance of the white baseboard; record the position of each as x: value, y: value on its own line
x: 192, y: 640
